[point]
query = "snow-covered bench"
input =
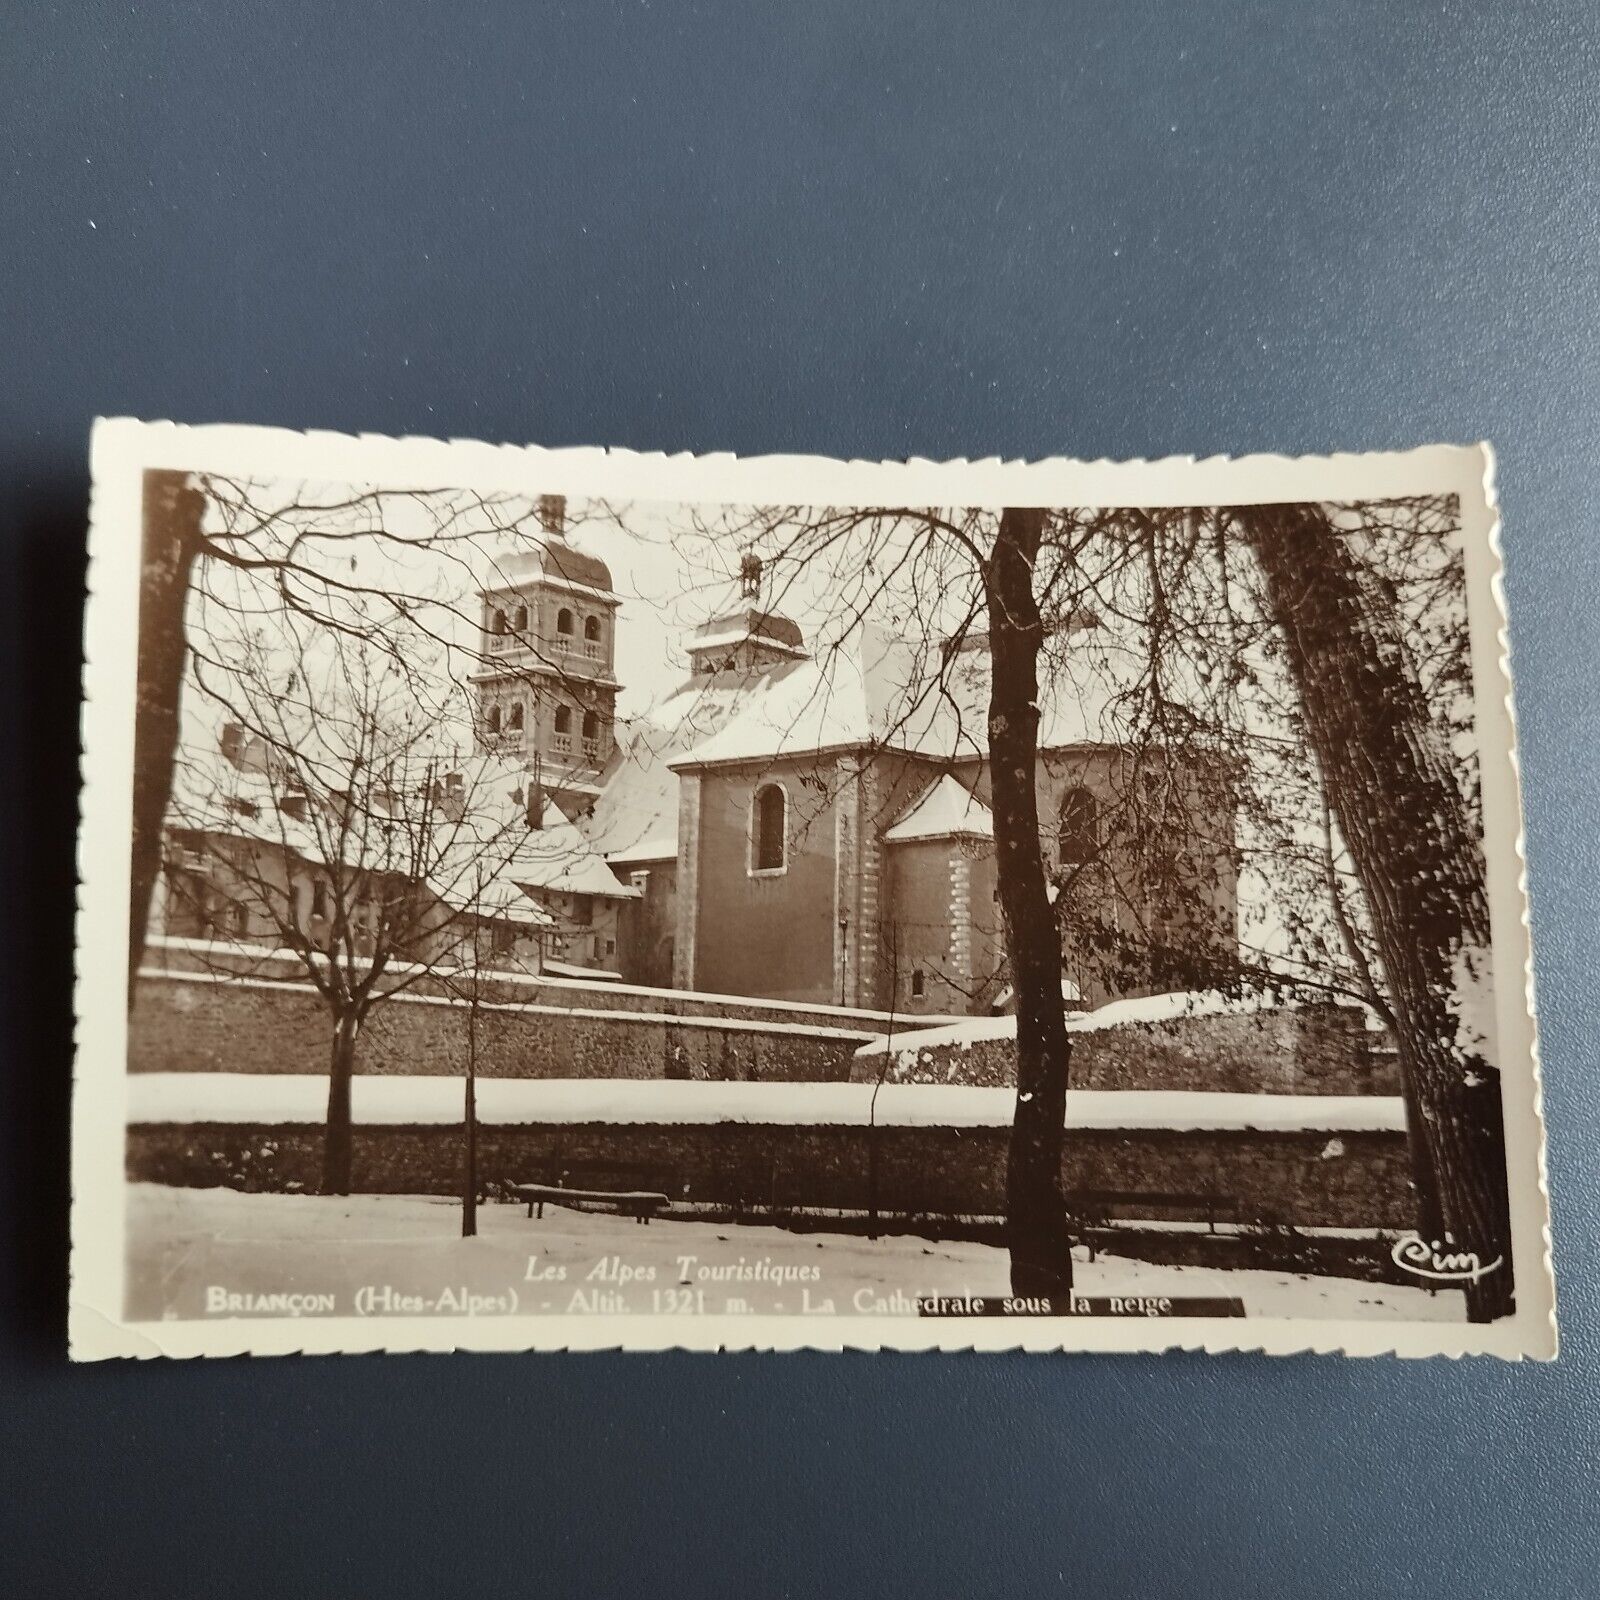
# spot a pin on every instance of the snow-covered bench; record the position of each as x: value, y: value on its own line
x: 1094, y: 1206
x: 639, y: 1203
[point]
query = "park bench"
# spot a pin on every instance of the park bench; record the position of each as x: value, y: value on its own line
x: 586, y: 1188
x: 1094, y: 1206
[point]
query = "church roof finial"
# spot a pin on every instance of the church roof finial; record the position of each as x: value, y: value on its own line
x: 750, y: 575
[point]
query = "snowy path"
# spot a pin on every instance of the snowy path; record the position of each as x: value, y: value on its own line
x: 190, y: 1249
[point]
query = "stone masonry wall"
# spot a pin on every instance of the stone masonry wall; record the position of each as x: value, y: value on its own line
x: 189, y: 1023
x: 1292, y: 1179
x: 1315, y: 1049
x: 515, y: 988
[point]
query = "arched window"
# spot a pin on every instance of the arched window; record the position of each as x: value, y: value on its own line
x: 591, y: 726
x: 769, y: 830
x: 515, y: 723
x: 591, y: 627
x: 564, y: 719
x: 493, y: 719
x: 519, y: 619
x: 564, y: 621
x: 498, y: 625
x: 1079, y: 837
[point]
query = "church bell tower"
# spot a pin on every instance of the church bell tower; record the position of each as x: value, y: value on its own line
x: 546, y: 687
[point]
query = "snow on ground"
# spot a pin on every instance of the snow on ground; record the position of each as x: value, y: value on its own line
x: 190, y: 1249
x: 297, y: 1097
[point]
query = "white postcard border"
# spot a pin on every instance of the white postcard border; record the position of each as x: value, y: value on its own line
x: 123, y: 449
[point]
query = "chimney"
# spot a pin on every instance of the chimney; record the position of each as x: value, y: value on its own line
x: 452, y: 797
x: 553, y: 515
x: 973, y: 642
x: 245, y: 750
x: 535, y: 798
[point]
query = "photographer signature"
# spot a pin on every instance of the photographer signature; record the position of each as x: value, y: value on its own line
x: 1439, y: 1260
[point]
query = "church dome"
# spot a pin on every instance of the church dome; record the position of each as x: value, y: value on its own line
x: 554, y: 558
x: 577, y: 566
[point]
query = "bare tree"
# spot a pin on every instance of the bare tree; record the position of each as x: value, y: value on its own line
x: 1250, y: 720
x: 379, y: 566
x: 344, y: 828
x: 467, y: 984
x: 1038, y: 1231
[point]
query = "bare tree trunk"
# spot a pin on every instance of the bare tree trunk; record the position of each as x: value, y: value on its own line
x: 172, y: 510
x: 469, y: 1175
x: 1390, y: 783
x: 877, y: 1084
x: 1036, y: 1213
x: 337, y: 1138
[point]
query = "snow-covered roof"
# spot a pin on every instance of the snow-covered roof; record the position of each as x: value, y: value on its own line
x: 499, y: 898
x: 552, y: 559
x: 880, y: 690
x: 636, y: 816
x: 868, y: 692
x: 731, y: 637
x: 557, y: 858
x: 489, y: 845
x: 945, y: 810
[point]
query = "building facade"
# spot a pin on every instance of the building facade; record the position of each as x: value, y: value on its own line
x: 818, y: 830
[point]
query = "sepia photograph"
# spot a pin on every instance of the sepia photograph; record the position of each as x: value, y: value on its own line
x: 577, y: 899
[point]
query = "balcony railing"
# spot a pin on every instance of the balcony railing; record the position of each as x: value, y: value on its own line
x: 563, y: 644
x: 567, y: 644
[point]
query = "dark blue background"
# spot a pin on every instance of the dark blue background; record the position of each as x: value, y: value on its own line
x: 861, y: 230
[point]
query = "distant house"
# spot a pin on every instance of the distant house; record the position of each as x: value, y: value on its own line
x: 246, y: 858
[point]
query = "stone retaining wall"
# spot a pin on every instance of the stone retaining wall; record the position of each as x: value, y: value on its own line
x: 186, y: 1022
x: 518, y: 988
x: 1307, y: 1049
x: 1352, y: 1180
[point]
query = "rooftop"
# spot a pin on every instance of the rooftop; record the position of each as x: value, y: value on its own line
x: 945, y: 810
x: 552, y: 559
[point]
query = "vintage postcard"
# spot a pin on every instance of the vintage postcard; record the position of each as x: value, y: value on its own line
x: 565, y: 899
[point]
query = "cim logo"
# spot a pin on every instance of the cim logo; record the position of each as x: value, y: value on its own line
x: 1439, y: 1261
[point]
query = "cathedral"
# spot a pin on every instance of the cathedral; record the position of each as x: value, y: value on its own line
x: 815, y: 828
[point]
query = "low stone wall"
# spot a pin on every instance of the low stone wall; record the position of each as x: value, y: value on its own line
x: 1298, y: 1179
x: 171, y: 955
x: 189, y: 1022
x: 1306, y: 1049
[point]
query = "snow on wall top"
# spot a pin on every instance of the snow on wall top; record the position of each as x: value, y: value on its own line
x: 1153, y: 1008
x: 273, y: 1098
